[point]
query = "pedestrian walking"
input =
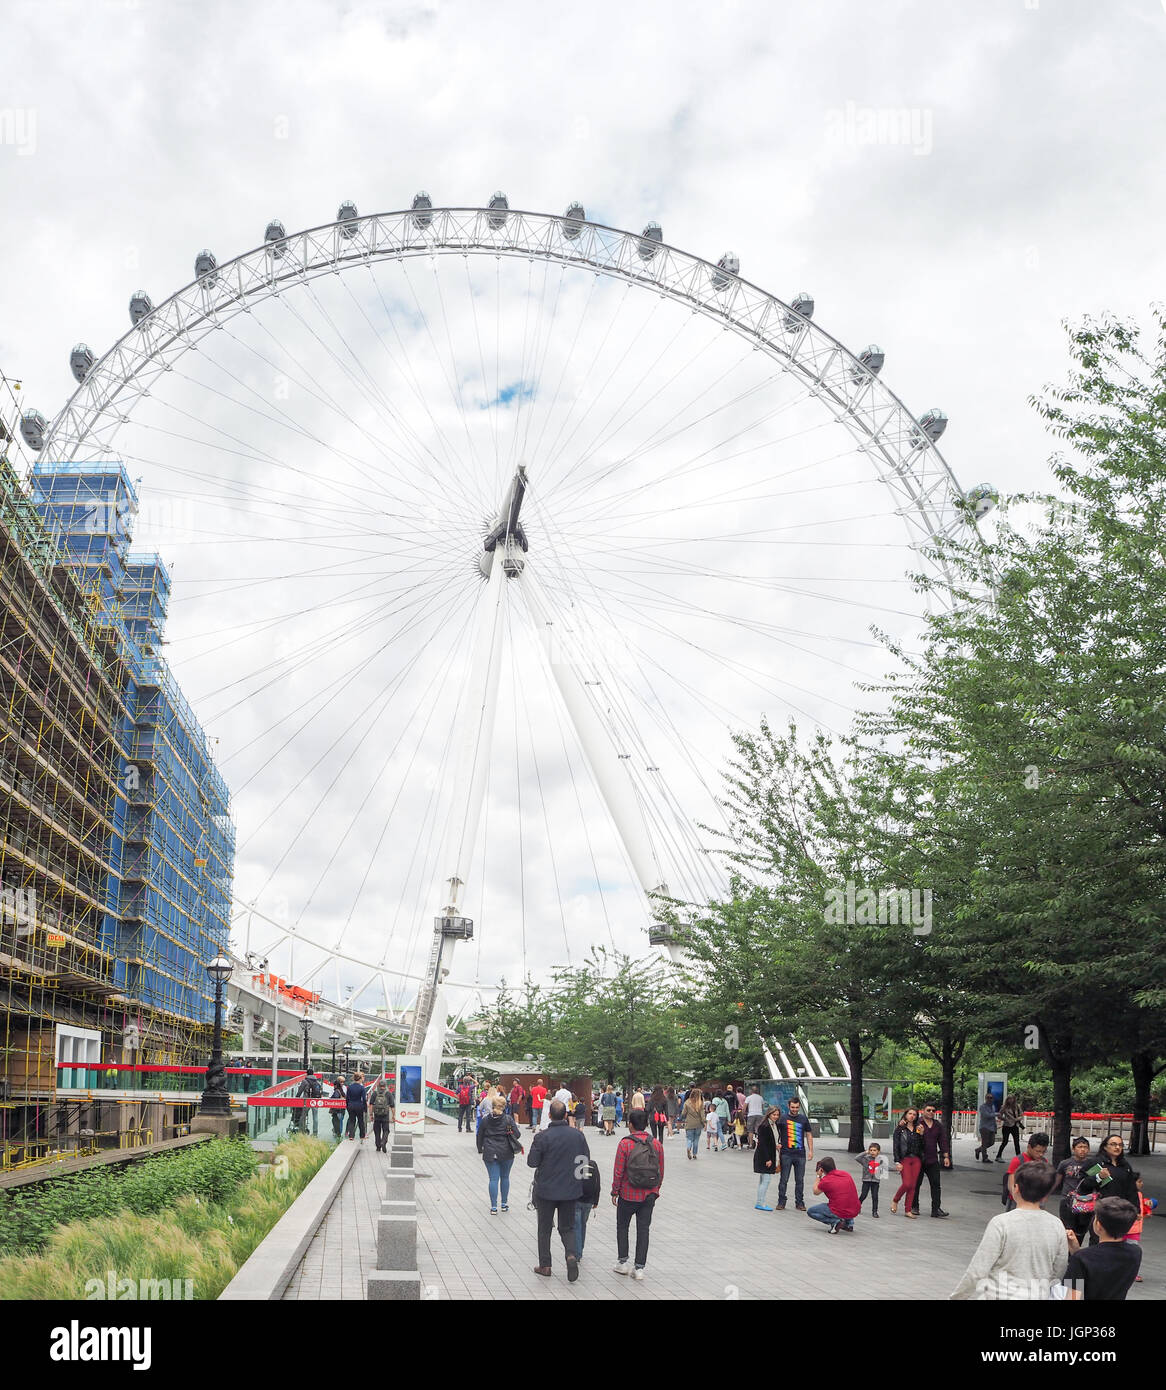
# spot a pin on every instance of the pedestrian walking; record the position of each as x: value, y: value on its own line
x: 310, y: 1089
x: 586, y: 1204
x: 558, y: 1186
x: 499, y: 1142
x: 635, y: 1189
x: 1076, y: 1212
x: 465, y: 1105
x: 907, y: 1147
x: 721, y: 1107
x: 692, y: 1116
x: 936, y: 1157
x: 383, y: 1106
x: 1107, y: 1270
x: 1038, y: 1145
x: 658, y: 1112
x: 607, y: 1109
x: 1110, y: 1175
x: 712, y: 1130
x: 986, y: 1123
x: 538, y: 1095
x: 672, y: 1108
x: 1009, y: 1120
x: 1022, y: 1253
x: 841, y: 1205
x: 766, y: 1147
x: 355, y: 1099
x: 796, y: 1146
x: 338, y: 1093
x: 874, y: 1170
x: 754, y: 1113
x: 516, y: 1098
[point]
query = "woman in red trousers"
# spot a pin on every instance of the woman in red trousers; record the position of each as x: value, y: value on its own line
x: 908, y: 1158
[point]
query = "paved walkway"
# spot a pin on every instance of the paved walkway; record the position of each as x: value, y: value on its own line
x: 707, y: 1241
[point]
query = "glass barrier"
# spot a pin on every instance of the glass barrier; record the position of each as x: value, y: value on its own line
x: 78, y: 1076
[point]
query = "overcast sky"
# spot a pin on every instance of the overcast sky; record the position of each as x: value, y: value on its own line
x: 950, y: 181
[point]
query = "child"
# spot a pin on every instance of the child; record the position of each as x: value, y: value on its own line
x: 874, y: 1169
x: 739, y: 1128
x: 1134, y: 1233
x: 1105, y: 1271
x: 841, y: 1205
x: 712, y: 1131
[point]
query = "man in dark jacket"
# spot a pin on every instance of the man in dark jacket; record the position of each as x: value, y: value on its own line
x: 936, y: 1157
x: 357, y: 1106
x: 557, y: 1154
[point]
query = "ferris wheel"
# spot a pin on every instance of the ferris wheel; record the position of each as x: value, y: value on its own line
x: 489, y: 527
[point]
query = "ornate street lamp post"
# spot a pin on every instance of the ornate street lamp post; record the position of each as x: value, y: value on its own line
x: 333, y: 1038
x: 216, y: 1099
x: 306, y: 1025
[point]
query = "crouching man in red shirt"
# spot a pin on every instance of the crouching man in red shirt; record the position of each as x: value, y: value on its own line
x: 841, y: 1205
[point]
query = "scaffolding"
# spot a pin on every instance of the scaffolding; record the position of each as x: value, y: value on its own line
x: 116, y: 839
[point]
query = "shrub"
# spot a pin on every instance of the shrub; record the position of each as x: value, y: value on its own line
x: 203, y: 1240
x: 210, y: 1171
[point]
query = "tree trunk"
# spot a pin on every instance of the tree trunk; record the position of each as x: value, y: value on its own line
x: 1142, y: 1066
x: 1059, y: 1056
x: 857, y: 1097
x: 947, y: 1090
x: 1062, y: 1067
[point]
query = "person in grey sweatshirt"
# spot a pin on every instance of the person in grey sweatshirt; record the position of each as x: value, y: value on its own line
x: 1024, y: 1252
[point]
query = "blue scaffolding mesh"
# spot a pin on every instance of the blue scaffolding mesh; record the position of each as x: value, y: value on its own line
x: 173, y: 850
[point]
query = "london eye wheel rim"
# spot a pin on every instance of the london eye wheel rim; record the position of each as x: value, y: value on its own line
x: 907, y: 461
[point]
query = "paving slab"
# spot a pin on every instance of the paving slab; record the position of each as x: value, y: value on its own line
x: 707, y: 1240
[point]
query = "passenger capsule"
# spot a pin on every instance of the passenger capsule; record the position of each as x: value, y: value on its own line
x: 500, y: 209
x: 81, y: 361
x: 872, y: 358
x: 802, y: 305
x: 346, y: 216
x: 274, y: 236
x: 981, y: 499
x: 729, y: 265
x: 206, y: 267
x: 933, y: 423
x: 650, y: 240
x: 421, y: 205
x: 140, y: 305
x: 32, y: 428
x: 573, y: 220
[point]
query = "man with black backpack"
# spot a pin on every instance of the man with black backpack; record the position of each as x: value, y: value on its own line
x: 635, y: 1189
x: 310, y: 1089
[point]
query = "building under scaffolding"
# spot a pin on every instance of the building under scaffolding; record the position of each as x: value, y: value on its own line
x: 116, y: 843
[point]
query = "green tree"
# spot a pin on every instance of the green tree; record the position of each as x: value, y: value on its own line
x: 1045, y: 703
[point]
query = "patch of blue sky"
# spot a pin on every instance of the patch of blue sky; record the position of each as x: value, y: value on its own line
x: 509, y: 395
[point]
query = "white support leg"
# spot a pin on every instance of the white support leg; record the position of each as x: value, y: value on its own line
x: 566, y: 660
x: 471, y: 765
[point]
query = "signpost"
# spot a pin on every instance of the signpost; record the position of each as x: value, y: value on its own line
x: 411, y: 1094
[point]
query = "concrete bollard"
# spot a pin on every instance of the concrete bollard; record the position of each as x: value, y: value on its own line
x: 398, y: 1209
x: 401, y: 1158
x: 397, y: 1242
x: 394, y: 1286
x: 400, y: 1185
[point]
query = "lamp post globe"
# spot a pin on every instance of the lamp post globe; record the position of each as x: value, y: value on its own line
x: 216, y: 1099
